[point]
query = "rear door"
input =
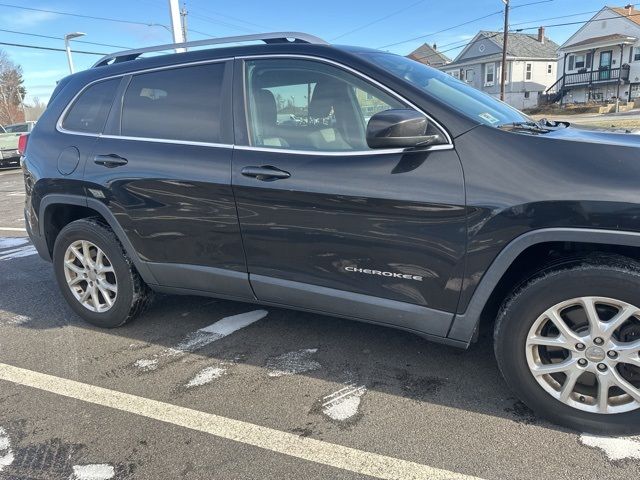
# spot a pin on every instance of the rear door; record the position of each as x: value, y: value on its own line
x: 162, y: 168
x: 329, y: 224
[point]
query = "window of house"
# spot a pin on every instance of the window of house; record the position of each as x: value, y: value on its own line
x: 549, y: 68
x: 469, y: 75
x: 527, y: 94
x: 181, y: 104
x: 528, y: 71
x: 636, y: 56
x: 308, y: 105
x: 580, y: 61
x: 489, y: 74
x: 89, y: 112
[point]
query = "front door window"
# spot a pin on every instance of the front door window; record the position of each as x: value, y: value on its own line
x: 605, y: 65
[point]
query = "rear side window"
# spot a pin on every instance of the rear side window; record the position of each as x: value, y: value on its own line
x: 176, y: 104
x: 89, y: 112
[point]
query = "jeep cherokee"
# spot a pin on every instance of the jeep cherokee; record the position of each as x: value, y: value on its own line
x: 349, y: 182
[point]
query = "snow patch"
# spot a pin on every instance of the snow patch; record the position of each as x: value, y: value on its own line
x: 12, y: 242
x: 615, y: 448
x: 6, y: 454
x: 98, y: 471
x: 204, y: 336
x: 206, y: 375
x: 293, y: 363
x: 344, y: 403
x: 146, y: 365
x: 18, y: 252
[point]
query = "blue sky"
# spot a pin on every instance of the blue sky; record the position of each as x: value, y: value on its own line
x: 355, y: 22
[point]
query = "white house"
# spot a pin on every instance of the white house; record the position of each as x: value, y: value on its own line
x: 601, y: 61
x: 531, y: 65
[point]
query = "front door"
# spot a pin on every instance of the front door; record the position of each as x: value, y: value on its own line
x: 605, y: 65
x: 330, y: 224
x: 163, y: 170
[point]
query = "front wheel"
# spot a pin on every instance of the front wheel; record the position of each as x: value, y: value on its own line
x: 95, y: 276
x: 568, y: 344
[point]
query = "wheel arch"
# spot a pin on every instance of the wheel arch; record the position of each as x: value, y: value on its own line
x: 74, y: 207
x: 497, y: 281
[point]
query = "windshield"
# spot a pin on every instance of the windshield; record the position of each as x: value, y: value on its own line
x: 18, y: 128
x: 471, y: 102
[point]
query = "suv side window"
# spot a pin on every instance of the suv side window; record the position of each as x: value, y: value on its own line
x: 182, y: 104
x: 89, y: 112
x: 309, y: 105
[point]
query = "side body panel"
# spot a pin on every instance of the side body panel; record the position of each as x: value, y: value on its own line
x: 519, y: 184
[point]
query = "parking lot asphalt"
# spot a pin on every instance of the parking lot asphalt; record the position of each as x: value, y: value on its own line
x: 200, y: 388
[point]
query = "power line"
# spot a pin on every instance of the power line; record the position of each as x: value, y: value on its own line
x: 79, y: 15
x: 462, y: 24
x: 39, y: 47
x: 61, y: 38
x: 562, y: 16
x: 362, y: 27
x: 579, y: 23
x: 208, y: 19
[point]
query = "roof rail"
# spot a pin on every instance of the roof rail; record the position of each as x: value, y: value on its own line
x: 273, y: 37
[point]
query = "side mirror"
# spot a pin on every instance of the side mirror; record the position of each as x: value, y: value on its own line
x: 398, y: 128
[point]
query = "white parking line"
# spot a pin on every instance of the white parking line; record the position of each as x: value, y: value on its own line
x: 293, y: 363
x: 305, y: 448
x: 12, y: 229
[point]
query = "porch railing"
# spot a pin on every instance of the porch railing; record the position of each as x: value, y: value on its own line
x: 594, y: 76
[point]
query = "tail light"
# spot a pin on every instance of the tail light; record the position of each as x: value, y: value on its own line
x: 22, y: 143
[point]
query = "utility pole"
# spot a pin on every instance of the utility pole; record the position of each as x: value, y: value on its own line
x: 176, y: 27
x: 505, y: 34
x: 183, y: 21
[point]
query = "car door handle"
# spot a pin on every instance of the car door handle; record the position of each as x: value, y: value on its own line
x: 110, y: 161
x: 266, y: 173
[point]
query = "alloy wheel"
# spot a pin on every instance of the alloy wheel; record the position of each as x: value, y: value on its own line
x: 585, y: 352
x: 90, y: 276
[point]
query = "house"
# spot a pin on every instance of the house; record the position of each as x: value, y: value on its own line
x: 429, y: 55
x: 531, y: 65
x: 601, y: 61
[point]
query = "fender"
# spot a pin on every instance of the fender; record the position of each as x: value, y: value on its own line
x: 102, y: 209
x: 465, y: 324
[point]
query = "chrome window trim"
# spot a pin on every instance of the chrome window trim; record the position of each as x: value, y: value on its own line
x: 357, y: 73
x: 447, y: 146
x: 167, y: 140
x: 344, y: 153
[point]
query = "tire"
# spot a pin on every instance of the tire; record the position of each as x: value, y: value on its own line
x: 132, y: 295
x: 569, y: 290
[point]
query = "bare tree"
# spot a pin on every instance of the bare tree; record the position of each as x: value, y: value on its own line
x: 12, y: 91
x: 33, y: 111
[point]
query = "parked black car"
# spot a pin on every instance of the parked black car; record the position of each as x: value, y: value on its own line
x: 402, y: 197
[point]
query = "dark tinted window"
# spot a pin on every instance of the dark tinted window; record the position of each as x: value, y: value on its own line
x: 176, y: 104
x: 89, y: 112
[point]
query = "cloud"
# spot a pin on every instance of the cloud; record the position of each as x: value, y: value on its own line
x: 27, y: 18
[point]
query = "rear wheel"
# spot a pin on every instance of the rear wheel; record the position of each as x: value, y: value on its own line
x: 95, y: 276
x: 568, y: 344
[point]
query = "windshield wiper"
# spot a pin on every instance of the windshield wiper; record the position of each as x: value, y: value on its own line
x: 541, y: 126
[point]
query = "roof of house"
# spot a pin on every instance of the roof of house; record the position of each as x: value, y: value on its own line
x: 525, y: 45
x: 519, y: 45
x: 604, y: 38
x: 429, y: 55
x: 631, y: 13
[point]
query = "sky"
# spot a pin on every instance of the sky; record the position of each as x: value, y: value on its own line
x: 391, y: 26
